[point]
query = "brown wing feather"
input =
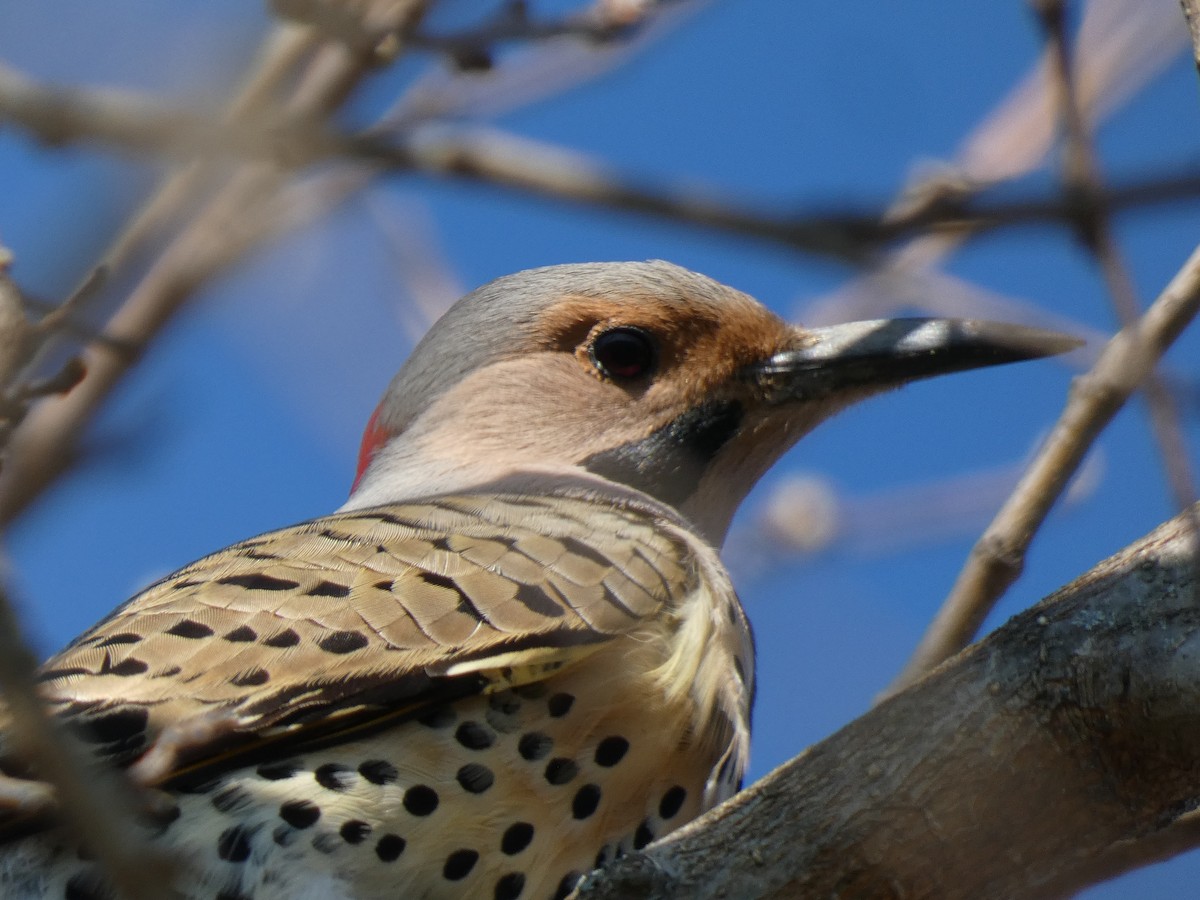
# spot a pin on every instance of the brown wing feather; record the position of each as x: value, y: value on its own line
x: 344, y: 619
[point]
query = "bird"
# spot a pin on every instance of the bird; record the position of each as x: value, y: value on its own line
x: 514, y: 654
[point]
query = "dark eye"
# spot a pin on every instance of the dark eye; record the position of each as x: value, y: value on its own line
x: 623, y: 354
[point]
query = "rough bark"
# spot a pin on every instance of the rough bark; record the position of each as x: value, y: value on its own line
x: 1061, y: 750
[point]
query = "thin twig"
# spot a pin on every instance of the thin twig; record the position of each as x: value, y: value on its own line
x: 1083, y: 185
x: 498, y: 158
x: 1083, y: 180
x: 996, y: 560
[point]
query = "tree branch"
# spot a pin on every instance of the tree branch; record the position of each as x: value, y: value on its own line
x: 998, y: 556
x: 1059, y: 751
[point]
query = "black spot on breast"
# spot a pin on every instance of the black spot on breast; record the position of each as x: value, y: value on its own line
x: 334, y: 776
x: 475, y: 778
x: 389, y: 847
x: 561, y: 770
x: 474, y: 736
x: 300, y: 813
x: 251, y: 678
x: 509, y: 886
x: 343, y: 642
x: 233, y: 845
x: 643, y: 836
x: 354, y: 831
x: 420, y: 800
x: 672, y: 802
x: 586, y: 799
x: 568, y: 884
x: 535, y: 745
x: 378, y: 771
x: 516, y: 838
x: 325, y: 842
x: 285, y: 638
x: 611, y: 751
x: 328, y: 589
x: 459, y: 864
x: 505, y: 702
x: 277, y: 771
x: 668, y: 464
x: 190, y: 628
x: 259, y: 581
x: 164, y: 818
x: 241, y: 635
x: 560, y: 704
x: 440, y: 717
x: 230, y: 799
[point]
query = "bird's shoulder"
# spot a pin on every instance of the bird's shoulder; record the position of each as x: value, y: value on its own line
x: 380, y: 612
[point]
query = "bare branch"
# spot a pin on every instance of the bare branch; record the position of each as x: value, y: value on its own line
x: 1095, y: 228
x: 998, y: 557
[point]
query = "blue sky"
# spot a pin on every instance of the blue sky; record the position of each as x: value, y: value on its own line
x: 245, y: 416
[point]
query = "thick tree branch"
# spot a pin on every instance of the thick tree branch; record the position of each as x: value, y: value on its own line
x: 1059, y: 751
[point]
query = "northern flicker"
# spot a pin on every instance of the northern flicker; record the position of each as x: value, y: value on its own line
x: 514, y: 654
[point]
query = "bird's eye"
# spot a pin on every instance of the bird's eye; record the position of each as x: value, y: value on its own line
x: 623, y: 354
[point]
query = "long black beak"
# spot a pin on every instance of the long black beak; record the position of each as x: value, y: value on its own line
x: 888, y: 352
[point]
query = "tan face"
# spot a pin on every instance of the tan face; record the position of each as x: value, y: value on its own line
x: 645, y: 392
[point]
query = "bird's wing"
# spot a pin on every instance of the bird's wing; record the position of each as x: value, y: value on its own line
x: 337, y: 622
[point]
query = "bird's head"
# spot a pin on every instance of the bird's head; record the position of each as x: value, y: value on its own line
x: 644, y: 374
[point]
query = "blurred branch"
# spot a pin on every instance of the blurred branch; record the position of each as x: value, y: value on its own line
x: 1069, y: 739
x: 239, y: 215
x: 1191, y: 12
x: 998, y: 557
x: 1095, y: 228
x: 471, y: 48
x: 98, y: 807
x: 1122, y: 44
x: 494, y: 157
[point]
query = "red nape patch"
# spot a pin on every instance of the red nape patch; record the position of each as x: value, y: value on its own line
x: 374, y: 437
